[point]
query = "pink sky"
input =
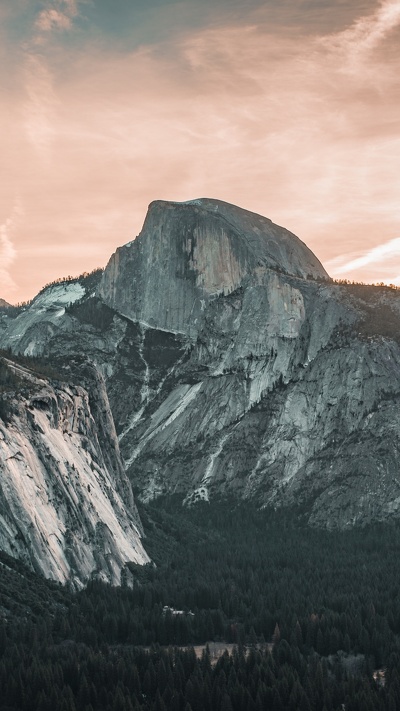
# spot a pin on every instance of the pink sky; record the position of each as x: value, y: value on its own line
x: 274, y: 108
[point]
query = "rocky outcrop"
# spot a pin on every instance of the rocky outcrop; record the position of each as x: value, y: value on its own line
x: 66, y: 506
x: 188, y: 253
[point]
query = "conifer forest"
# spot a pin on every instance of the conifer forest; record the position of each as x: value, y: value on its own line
x: 302, y: 619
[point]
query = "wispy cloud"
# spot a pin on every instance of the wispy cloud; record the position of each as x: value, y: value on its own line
x: 58, y: 16
x: 40, y: 108
x: 365, y: 34
x: 383, y: 253
x: 52, y: 20
x: 40, y: 111
x: 8, y: 252
x: 379, y: 263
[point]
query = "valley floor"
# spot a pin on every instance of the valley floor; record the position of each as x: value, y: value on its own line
x: 296, y: 618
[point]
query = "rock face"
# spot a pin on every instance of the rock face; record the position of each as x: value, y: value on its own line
x: 233, y: 365
x: 32, y: 326
x: 66, y: 506
x: 188, y: 253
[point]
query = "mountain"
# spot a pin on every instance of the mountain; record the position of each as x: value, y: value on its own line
x: 188, y: 253
x: 234, y: 366
x: 66, y: 506
x: 4, y: 304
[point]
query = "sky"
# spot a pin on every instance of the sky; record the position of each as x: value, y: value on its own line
x: 287, y: 108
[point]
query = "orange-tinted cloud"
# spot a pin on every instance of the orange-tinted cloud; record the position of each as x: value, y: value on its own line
x: 297, y: 125
x: 7, y: 249
x: 57, y: 16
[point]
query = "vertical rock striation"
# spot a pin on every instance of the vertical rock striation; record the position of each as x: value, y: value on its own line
x: 66, y: 506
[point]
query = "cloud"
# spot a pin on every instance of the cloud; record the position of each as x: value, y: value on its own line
x: 40, y: 107
x: 364, y: 35
x: 8, y: 252
x: 52, y: 19
x: 58, y: 16
x: 71, y: 6
x: 40, y: 110
x: 378, y: 264
x: 249, y: 112
x: 382, y: 253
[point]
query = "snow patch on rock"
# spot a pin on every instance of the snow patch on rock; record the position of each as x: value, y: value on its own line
x: 41, y: 319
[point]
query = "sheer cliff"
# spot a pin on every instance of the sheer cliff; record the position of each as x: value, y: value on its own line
x: 66, y: 506
x: 188, y: 253
x: 233, y: 365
